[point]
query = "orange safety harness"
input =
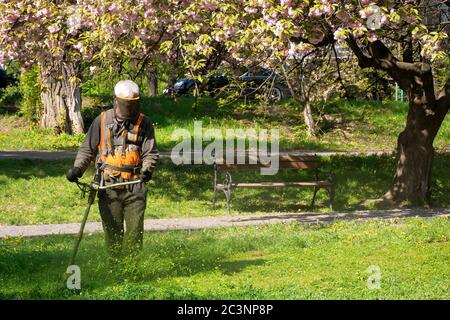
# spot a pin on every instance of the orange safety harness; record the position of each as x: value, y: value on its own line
x: 120, y: 154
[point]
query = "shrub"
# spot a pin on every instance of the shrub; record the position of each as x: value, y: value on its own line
x: 91, y: 108
x: 30, y: 104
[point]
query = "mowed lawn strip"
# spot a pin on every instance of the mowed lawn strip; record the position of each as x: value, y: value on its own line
x: 267, y: 262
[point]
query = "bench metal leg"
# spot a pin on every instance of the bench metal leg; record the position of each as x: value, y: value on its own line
x: 213, y: 203
x: 314, y: 197
x: 228, y: 196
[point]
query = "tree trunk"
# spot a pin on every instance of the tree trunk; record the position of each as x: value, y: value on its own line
x: 309, y: 120
x: 152, y: 81
x: 61, y: 97
x: 415, y: 153
x: 307, y: 111
x: 171, y: 83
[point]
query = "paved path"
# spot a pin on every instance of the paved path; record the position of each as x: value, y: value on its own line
x: 70, y: 155
x: 221, y: 222
x: 37, y: 155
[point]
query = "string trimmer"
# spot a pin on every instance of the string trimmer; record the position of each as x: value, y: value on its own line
x: 96, y: 185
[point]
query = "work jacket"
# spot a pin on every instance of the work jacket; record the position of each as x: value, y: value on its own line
x: 122, y: 149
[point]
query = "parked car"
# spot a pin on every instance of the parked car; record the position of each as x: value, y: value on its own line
x: 265, y: 82
x: 181, y: 87
x: 187, y: 85
x: 256, y: 82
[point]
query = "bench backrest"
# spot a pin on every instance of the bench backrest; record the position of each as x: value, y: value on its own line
x: 285, y: 162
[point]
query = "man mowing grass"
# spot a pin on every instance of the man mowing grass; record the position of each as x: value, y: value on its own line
x: 122, y: 142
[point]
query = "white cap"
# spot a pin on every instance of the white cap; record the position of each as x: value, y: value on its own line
x: 127, y: 89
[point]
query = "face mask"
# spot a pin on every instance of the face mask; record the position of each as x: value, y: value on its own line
x: 126, y: 109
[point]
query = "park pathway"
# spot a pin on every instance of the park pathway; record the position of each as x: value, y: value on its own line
x: 222, y: 222
x: 70, y: 155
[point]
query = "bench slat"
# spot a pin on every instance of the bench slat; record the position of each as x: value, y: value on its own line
x: 285, y: 162
x: 325, y: 183
x: 282, y: 165
x: 282, y: 157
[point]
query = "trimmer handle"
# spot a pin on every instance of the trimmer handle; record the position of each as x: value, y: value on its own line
x: 95, y: 186
x: 129, y: 183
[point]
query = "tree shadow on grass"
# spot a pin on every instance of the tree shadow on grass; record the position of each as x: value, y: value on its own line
x: 25, y: 168
x: 288, y: 200
x: 358, y: 178
x: 179, y: 183
x: 195, y: 182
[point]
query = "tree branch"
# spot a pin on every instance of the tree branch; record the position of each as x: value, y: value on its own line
x: 405, y: 73
x: 299, y: 63
x: 408, y: 52
x: 341, y: 81
x: 327, y: 39
x: 382, y: 58
x: 291, y: 86
x: 364, y: 60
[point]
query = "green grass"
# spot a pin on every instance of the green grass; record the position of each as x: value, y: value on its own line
x: 361, y: 125
x: 377, y: 125
x: 36, y: 192
x: 17, y: 134
x: 266, y: 262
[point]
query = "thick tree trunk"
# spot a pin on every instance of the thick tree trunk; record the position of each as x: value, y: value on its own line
x: 152, y: 81
x: 415, y: 153
x: 412, y: 180
x: 309, y: 120
x: 61, y: 97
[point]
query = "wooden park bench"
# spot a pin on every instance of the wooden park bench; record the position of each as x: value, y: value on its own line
x: 286, y: 162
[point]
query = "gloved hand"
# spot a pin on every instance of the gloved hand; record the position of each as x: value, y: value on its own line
x: 73, y: 174
x: 146, y: 176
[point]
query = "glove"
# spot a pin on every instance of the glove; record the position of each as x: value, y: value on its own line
x: 146, y: 176
x: 73, y: 174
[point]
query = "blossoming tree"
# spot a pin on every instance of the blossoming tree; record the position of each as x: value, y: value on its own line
x: 387, y: 35
x: 61, y: 36
x: 45, y: 33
